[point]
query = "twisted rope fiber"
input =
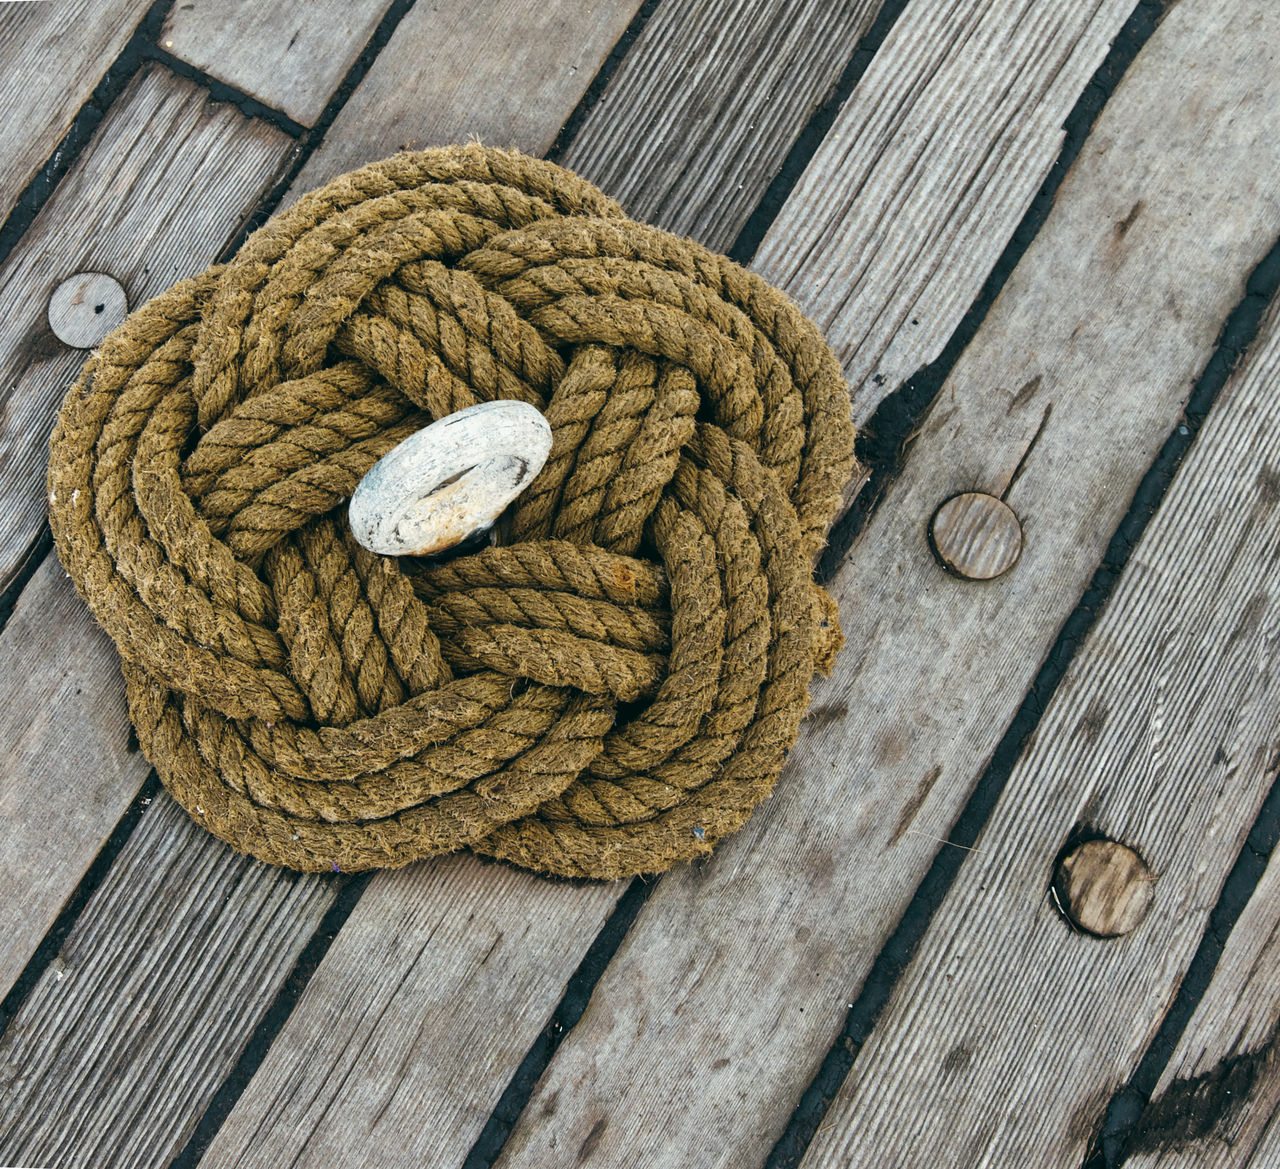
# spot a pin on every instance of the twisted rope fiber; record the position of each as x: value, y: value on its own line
x: 610, y: 691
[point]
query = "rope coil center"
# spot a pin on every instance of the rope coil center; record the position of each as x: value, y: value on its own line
x: 609, y: 692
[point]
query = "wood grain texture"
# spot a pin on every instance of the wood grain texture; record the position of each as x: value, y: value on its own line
x: 699, y: 116
x: 443, y: 972
x: 461, y: 1068
x: 1104, y: 887
x: 113, y: 1056
x: 738, y: 973
x: 52, y: 56
x: 85, y: 307
x: 127, y: 205
x: 905, y: 208
x: 1163, y: 735
x: 69, y: 770
x: 574, y: 929
x: 1217, y: 1105
x: 506, y: 74
x: 291, y: 55
x: 159, y: 190
x: 976, y: 535
x: 1267, y: 1153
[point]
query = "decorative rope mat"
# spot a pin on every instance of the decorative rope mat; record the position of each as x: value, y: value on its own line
x: 611, y: 691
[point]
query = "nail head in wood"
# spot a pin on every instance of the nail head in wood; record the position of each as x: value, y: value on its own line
x: 85, y: 307
x: 976, y: 536
x: 449, y: 481
x: 1105, y: 888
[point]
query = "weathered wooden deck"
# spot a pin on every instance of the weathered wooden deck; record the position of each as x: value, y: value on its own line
x: 1042, y: 237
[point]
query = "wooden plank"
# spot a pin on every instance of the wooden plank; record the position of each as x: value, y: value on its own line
x: 506, y: 74
x: 753, y: 956
x: 716, y: 93
x: 401, y: 1066
x: 70, y: 771
x: 927, y: 173
x: 1220, y: 1093
x: 1267, y: 1153
x: 114, y: 1014
x: 84, y: 37
x: 1162, y: 736
x: 456, y: 969
x: 291, y: 56
x: 161, y: 187
x: 442, y: 1091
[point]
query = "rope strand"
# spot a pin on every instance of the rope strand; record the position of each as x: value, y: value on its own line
x: 609, y: 693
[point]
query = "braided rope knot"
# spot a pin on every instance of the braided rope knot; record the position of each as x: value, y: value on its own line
x: 608, y: 692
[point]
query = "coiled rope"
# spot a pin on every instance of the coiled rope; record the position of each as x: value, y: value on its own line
x: 611, y: 691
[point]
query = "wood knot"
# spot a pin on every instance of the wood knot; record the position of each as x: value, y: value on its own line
x: 1105, y: 888
x: 976, y: 536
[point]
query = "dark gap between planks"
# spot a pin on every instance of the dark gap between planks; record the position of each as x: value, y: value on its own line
x: 141, y: 49
x: 1123, y: 1114
x: 882, y: 447
x: 1122, y: 1124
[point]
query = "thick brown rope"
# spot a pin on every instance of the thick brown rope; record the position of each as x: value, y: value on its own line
x: 609, y: 693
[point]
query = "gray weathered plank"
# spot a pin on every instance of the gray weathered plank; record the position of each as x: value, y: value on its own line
x: 753, y: 956
x: 1267, y: 1153
x: 1221, y: 1089
x: 508, y: 74
x: 1163, y: 736
x: 52, y: 56
x: 160, y: 189
x: 290, y: 55
x: 926, y: 174
x: 240, y: 1142
x: 274, y: 1114
x: 400, y: 1067
x: 715, y: 92
x: 69, y: 772
x: 114, y: 1012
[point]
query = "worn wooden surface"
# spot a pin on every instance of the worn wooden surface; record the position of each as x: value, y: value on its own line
x: 125, y: 951
x: 717, y: 92
x: 926, y: 172
x: 762, y: 947
x: 52, y: 57
x: 197, y: 165
x: 1216, y: 1104
x: 446, y: 76
x: 730, y: 986
x: 575, y: 927
x: 290, y: 56
x: 1162, y: 737
x: 160, y: 188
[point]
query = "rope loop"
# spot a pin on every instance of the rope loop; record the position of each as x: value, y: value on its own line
x: 611, y: 690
